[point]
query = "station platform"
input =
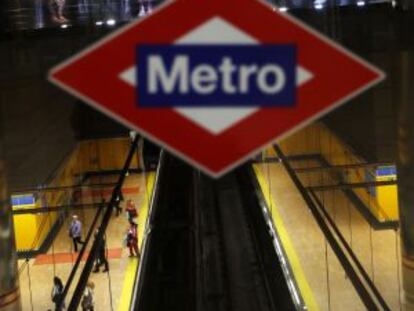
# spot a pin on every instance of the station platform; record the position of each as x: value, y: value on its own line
x: 321, y: 279
x: 346, y: 160
x: 112, y: 289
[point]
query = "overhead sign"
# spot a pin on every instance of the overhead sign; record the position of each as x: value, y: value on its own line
x: 215, y: 81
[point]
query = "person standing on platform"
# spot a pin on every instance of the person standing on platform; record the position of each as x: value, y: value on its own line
x: 131, y: 210
x: 132, y: 239
x: 75, y: 232
x: 101, y: 255
x: 119, y: 199
x: 88, y: 302
x: 57, y: 292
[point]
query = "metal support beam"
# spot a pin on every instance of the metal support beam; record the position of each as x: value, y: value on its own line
x: 405, y: 96
x: 59, y: 188
x: 9, y: 280
x: 55, y: 208
x: 354, y: 185
x: 341, y: 167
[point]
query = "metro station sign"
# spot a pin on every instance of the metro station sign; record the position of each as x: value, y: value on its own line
x: 215, y: 81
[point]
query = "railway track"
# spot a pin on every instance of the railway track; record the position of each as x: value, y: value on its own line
x: 209, y: 247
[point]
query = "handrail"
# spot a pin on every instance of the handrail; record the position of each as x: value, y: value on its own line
x: 341, y: 167
x: 55, y: 208
x: 350, y: 252
x: 354, y: 185
x: 79, y: 258
x: 277, y: 243
x: 57, y: 188
x: 138, y: 284
x: 76, y: 298
x: 362, y: 291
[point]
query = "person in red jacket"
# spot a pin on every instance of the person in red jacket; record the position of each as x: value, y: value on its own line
x: 131, y: 210
x: 132, y: 239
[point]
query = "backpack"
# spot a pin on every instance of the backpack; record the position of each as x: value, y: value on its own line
x: 132, y: 212
x: 87, y: 300
x: 129, y: 237
x: 56, y: 297
x: 57, y: 294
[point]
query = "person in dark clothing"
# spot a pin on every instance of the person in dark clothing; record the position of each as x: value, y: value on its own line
x: 101, y: 255
x: 57, y: 292
x: 88, y: 301
x: 119, y: 199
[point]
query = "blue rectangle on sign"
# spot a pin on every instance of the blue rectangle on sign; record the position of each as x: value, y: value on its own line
x: 216, y: 75
x: 386, y: 171
x: 23, y: 200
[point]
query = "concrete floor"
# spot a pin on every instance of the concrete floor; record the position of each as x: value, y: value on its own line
x: 41, y: 276
x: 378, y: 251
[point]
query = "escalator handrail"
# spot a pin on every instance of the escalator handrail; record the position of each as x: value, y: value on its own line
x: 78, y: 293
x: 79, y: 257
x: 350, y: 252
x: 279, y: 249
x: 370, y: 302
x: 136, y: 293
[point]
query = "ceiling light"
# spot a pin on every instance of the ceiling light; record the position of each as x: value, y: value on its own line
x: 111, y: 22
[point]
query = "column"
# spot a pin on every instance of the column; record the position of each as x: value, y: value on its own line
x: 405, y: 97
x: 9, y: 285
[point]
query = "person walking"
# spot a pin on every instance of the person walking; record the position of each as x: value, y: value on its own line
x: 132, y: 239
x: 88, y: 303
x: 101, y: 255
x: 56, y: 295
x: 118, y: 201
x: 75, y: 232
x: 131, y: 210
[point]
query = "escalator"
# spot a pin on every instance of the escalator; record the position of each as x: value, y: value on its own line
x: 208, y: 246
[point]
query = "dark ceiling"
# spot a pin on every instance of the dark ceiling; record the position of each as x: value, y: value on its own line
x: 36, y: 14
x: 41, y: 124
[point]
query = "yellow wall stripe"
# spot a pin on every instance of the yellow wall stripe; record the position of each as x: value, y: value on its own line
x: 131, y: 270
x: 297, y: 269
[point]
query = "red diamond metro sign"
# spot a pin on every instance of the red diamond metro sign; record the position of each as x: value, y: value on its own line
x: 215, y: 81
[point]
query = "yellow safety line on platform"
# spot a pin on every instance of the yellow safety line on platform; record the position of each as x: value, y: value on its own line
x: 293, y: 258
x: 130, y: 272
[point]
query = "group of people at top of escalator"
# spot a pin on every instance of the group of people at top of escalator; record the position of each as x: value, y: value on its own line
x: 57, y: 8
